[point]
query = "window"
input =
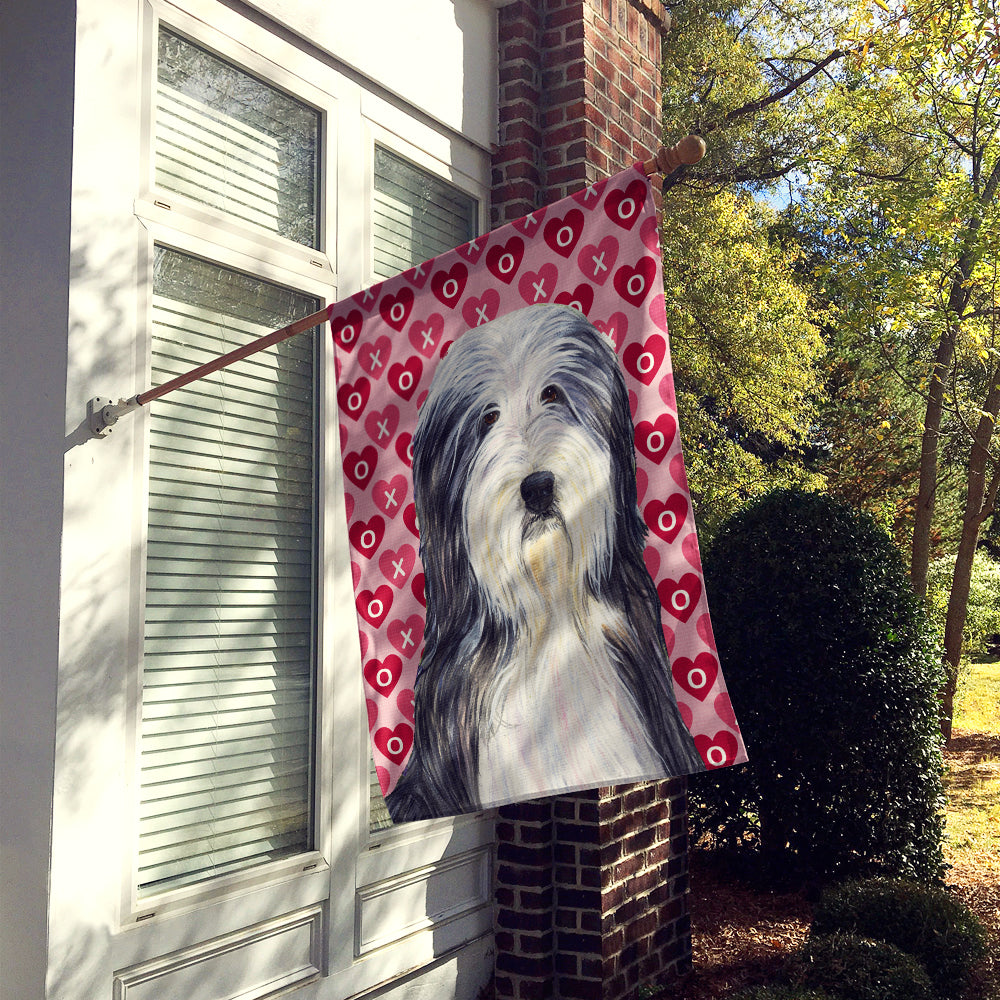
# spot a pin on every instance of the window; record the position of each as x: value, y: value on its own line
x: 226, y: 768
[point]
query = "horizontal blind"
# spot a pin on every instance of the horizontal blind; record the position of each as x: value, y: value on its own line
x: 416, y: 216
x: 228, y: 654
x: 228, y: 140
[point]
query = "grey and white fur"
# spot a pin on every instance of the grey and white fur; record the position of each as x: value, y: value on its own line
x: 544, y: 666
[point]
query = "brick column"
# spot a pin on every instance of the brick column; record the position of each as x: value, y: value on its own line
x: 591, y: 889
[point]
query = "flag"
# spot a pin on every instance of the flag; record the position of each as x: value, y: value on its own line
x: 531, y: 608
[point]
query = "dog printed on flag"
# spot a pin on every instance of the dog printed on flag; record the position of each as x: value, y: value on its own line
x: 531, y: 607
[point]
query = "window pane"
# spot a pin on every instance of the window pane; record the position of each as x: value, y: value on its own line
x: 228, y: 140
x: 416, y: 217
x: 228, y: 663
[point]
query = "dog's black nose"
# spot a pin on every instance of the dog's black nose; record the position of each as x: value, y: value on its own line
x: 536, y: 491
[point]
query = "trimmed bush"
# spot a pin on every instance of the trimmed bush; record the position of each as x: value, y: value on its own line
x: 833, y: 672
x: 925, y: 922
x: 856, y: 968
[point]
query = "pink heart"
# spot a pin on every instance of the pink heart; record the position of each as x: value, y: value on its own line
x: 641, y: 484
x: 363, y: 639
x: 397, y: 565
x: 528, y: 224
x: 473, y: 250
x: 475, y: 311
x: 382, y: 675
x: 687, y: 716
x: 669, y: 639
x: 407, y: 636
x: 372, y: 712
x: 383, y: 778
x: 666, y: 518
x: 596, y: 261
x: 346, y: 329
x: 349, y: 505
x: 417, y: 276
x: 633, y: 403
x: 643, y: 360
x: 382, y: 426
x: 680, y: 597
x: 359, y: 466
x: 404, y: 702
x: 538, y: 286
x: 373, y: 356
x: 666, y: 390
x: 718, y: 750
x: 374, y: 605
x: 353, y: 397
x: 426, y: 335
x: 724, y: 709
x: 367, y: 297
x: 678, y: 473
x: 591, y: 195
x: 704, y: 627
x: 366, y: 536
x: 394, y: 743
x: 615, y: 327
x: 356, y: 577
x: 658, y: 311
x: 654, y: 437
x: 389, y: 495
x: 652, y: 560
x: 696, y: 676
x: 649, y: 233
x: 690, y: 547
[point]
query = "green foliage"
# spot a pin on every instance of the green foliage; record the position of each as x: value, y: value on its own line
x: 834, y: 672
x: 926, y: 922
x: 856, y: 968
x: 782, y: 993
x: 983, y: 611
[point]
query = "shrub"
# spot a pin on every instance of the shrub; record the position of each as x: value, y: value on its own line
x: 923, y: 921
x: 782, y: 993
x: 856, y: 968
x: 834, y: 673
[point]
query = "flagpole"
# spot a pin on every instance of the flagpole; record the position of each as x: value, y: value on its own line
x: 103, y: 413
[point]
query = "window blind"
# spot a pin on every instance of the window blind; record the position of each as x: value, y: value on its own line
x: 416, y: 216
x: 228, y: 654
x: 228, y: 140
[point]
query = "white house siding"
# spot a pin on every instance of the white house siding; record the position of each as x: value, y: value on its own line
x: 407, y: 915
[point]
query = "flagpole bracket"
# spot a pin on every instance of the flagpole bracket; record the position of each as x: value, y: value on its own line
x: 103, y: 413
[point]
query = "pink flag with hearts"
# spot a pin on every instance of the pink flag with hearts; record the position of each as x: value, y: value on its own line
x: 531, y: 607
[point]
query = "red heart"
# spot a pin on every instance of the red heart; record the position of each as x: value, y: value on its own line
x: 563, y: 234
x: 373, y: 357
x: 418, y: 589
x: 389, y: 495
x: 397, y: 566
x: 654, y: 437
x: 596, y: 261
x: 616, y: 327
x: 624, y: 207
x: 408, y: 636
x: 346, y: 329
x: 448, y: 286
x: 473, y: 250
x: 529, y: 223
x: 538, y: 286
x: 404, y: 702
x: 394, y: 743
x: 382, y: 425
x: 410, y: 518
x: 404, y: 448
x: 633, y: 283
x: 352, y: 397
x: 680, y: 597
x: 374, y: 605
x: 359, y: 467
x: 696, y: 676
x: 404, y: 378
x: 581, y: 299
x: 427, y: 335
x: 475, y: 311
x: 718, y: 750
x: 644, y: 360
x: 395, y: 309
x: 366, y: 536
x: 667, y: 518
x: 503, y: 261
x: 383, y: 675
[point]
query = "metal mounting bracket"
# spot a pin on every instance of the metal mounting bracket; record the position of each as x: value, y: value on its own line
x: 103, y: 413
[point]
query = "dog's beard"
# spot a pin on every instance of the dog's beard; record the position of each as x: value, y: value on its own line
x: 529, y: 563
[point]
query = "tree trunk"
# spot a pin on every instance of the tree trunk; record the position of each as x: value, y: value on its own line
x: 980, y: 498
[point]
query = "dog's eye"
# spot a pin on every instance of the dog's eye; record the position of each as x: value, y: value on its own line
x: 552, y: 394
x: 489, y: 418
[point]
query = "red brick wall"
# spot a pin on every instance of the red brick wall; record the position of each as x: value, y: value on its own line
x: 591, y: 889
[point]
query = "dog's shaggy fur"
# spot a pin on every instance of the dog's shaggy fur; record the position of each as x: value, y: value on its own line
x: 544, y: 667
